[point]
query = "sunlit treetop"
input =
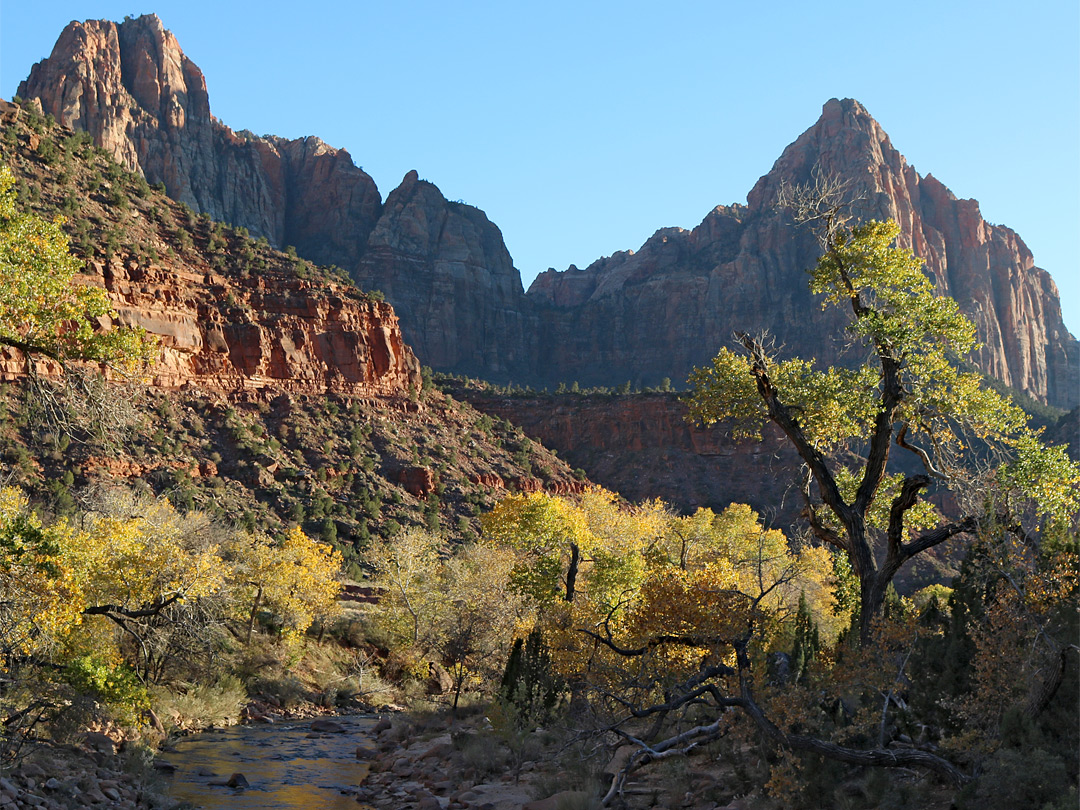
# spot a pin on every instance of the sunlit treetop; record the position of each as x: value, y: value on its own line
x: 44, y: 311
x: 914, y: 340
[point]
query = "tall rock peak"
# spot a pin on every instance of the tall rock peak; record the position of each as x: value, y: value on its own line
x: 670, y: 306
x: 643, y: 315
x: 131, y: 86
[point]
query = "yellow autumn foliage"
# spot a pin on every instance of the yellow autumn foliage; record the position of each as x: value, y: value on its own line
x: 296, y: 580
x: 40, y: 599
x: 679, y: 587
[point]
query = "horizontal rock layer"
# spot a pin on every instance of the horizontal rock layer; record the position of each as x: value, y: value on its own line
x: 266, y: 331
x: 642, y: 446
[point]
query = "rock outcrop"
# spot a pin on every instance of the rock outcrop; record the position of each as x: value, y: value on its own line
x: 446, y: 269
x: 637, y: 316
x: 285, y: 334
x: 642, y: 447
x: 131, y: 86
x: 668, y: 307
x: 278, y: 333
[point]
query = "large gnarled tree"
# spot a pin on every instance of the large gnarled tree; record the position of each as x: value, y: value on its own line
x: 907, y: 391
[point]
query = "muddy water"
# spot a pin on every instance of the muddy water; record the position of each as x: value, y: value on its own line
x: 284, y: 767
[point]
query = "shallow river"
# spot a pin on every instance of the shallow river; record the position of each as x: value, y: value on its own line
x: 283, y: 766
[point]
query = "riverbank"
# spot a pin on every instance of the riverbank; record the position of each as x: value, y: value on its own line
x: 126, y: 771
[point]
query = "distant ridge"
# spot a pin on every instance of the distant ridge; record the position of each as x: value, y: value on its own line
x: 631, y: 316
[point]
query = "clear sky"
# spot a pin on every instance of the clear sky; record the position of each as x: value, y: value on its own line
x: 582, y: 127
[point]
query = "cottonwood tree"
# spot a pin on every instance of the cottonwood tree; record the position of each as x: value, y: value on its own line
x: 661, y: 643
x: 408, y: 568
x: 906, y: 391
x: 295, y: 580
x: 479, y: 613
x: 50, y: 318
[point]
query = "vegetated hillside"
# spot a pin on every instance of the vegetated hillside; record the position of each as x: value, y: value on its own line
x: 643, y: 315
x: 282, y: 394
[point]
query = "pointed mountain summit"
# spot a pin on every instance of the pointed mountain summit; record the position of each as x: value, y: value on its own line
x: 131, y: 86
x: 638, y: 316
x: 678, y: 298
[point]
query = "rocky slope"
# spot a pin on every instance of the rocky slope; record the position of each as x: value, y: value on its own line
x: 444, y: 264
x: 220, y: 327
x: 637, y: 316
x: 280, y: 394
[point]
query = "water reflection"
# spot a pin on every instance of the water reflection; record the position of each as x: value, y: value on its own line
x: 283, y: 766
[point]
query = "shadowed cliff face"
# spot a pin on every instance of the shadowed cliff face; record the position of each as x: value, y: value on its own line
x: 643, y: 447
x: 451, y: 278
x: 638, y: 316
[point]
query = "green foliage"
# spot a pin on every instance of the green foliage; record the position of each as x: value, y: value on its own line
x: 116, y: 685
x: 530, y: 690
x: 909, y: 392
x: 1022, y: 780
x: 42, y: 310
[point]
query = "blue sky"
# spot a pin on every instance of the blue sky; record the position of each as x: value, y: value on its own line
x: 581, y: 128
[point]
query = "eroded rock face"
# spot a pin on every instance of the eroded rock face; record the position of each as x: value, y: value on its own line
x: 446, y: 269
x: 265, y: 332
x: 668, y: 307
x: 642, y: 447
x: 281, y: 333
x: 638, y: 316
x: 443, y: 265
x: 131, y: 86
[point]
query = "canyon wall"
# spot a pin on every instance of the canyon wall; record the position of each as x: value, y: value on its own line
x: 638, y: 316
x: 284, y: 334
x: 642, y: 447
x: 229, y: 335
x: 442, y: 264
x: 668, y: 307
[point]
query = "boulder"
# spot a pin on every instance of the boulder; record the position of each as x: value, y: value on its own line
x: 324, y: 726
x: 439, y: 681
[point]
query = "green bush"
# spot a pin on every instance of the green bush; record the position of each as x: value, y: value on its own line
x: 197, y: 706
x: 1022, y: 780
x: 116, y: 686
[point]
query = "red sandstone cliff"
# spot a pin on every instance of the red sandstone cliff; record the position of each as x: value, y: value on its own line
x: 230, y: 314
x: 231, y: 335
x: 642, y: 447
x: 280, y: 333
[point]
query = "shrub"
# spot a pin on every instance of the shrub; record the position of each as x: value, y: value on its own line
x: 116, y: 686
x: 198, y: 706
x: 1013, y: 779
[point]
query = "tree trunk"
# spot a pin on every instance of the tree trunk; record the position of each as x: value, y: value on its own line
x: 254, y: 612
x: 572, y: 571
